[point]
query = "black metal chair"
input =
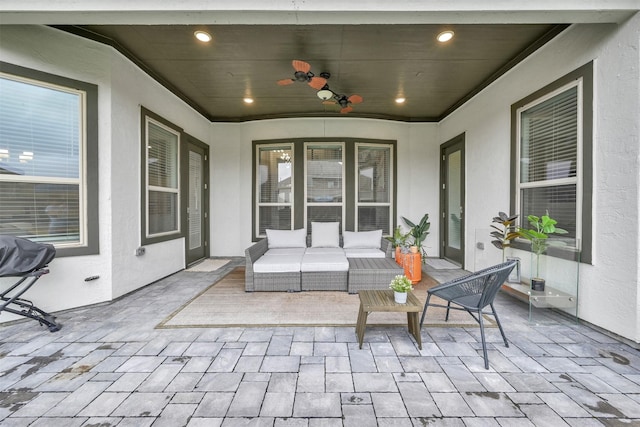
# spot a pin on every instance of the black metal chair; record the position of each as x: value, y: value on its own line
x: 472, y: 293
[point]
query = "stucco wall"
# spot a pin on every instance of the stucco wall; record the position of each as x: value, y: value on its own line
x: 608, y: 289
x: 231, y: 158
x: 122, y: 89
x: 53, y: 52
x: 130, y: 89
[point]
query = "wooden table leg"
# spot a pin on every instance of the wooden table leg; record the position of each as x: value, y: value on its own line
x: 361, y: 324
x: 414, y: 327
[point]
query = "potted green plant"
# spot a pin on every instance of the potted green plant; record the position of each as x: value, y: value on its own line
x: 505, y: 234
x: 398, y: 240
x: 401, y: 285
x: 541, y: 228
x: 418, y: 233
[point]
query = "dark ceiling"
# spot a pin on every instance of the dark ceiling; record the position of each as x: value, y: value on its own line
x: 378, y: 62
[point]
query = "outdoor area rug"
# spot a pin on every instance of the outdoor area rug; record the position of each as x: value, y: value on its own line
x: 226, y: 304
x: 208, y: 265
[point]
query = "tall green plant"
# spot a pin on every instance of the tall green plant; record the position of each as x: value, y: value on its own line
x: 419, y: 232
x: 398, y: 239
x: 541, y: 228
x: 503, y: 236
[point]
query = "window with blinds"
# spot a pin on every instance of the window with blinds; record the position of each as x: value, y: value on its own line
x: 373, y: 188
x: 42, y: 151
x: 274, y: 188
x: 550, y: 140
x: 324, y: 189
x: 162, y: 179
x: 347, y: 181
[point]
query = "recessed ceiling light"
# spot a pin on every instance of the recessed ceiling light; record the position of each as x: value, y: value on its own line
x: 203, y: 36
x: 248, y: 100
x: 400, y: 100
x: 445, y: 36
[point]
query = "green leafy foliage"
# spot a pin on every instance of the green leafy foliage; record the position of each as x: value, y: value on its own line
x: 401, y: 283
x: 504, y: 236
x: 541, y: 228
x: 418, y: 233
x: 398, y: 239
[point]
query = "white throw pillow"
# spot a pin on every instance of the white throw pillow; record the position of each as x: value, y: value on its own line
x: 287, y: 238
x: 325, y: 234
x: 362, y: 239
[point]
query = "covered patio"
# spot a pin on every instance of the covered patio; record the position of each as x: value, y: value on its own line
x: 110, y: 365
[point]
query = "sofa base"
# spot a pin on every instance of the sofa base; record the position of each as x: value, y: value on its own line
x: 324, y: 281
x: 269, y: 282
x: 371, y: 273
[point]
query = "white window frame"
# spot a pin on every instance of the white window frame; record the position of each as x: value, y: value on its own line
x: 578, y: 179
x: 81, y: 181
x: 342, y: 204
x: 358, y: 204
x: 171, y: 190
x: 258, y: 204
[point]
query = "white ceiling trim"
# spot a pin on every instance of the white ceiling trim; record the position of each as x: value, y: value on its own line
x: 309, y: 12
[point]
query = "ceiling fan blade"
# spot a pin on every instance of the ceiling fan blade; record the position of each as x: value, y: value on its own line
x: 317, y: 82
x: 329, y: 102
x: 301, y: 66
x: 346, y: 110
x: 285, y: 82
x: 355, y: 99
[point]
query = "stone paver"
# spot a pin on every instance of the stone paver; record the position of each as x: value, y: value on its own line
x: 122, y: 371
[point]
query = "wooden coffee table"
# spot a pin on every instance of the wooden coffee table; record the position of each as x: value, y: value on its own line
x: 382, y: 300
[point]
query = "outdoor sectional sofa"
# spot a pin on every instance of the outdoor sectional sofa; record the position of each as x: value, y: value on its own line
x: 291, y: 261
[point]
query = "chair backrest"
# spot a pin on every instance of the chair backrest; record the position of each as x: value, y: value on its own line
x: 494, y: 278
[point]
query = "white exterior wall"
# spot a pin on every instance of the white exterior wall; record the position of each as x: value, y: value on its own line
x: 131, y: 88
x: 608, y: 289
x: 609, y: 295
x: 122, y: 89
x: 231, y: 162
x: 52, y: 51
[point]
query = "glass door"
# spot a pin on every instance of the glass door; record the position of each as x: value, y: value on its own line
x: 452, y: 200
x: 197, y: 208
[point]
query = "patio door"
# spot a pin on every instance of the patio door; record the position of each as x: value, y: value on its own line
x: 452, y: 200
x: 197, y: 214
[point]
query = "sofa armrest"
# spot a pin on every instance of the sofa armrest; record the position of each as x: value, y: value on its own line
x: 387, y: 248
x: 251, y: 254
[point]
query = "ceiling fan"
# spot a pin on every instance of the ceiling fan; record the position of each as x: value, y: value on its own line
x: 330, y: 97
x: 303, y: 74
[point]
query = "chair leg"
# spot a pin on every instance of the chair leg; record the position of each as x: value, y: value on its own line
x: 484, y: 342
x: 424, y: 310
x: 504, y: 337
x: 446, y: 318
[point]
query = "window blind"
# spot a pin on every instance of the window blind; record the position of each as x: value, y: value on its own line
x: 162, y: 157
x: 549, y: 159
x: 275, y: 186
x: 324, y: 174
x: 41, y: 143
x: 162, y: 179
x: 549, y: 133
x: 374, y: 188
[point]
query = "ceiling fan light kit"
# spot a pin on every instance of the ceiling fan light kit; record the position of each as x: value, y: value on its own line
x: 325, y: 94
x: 303, y: 74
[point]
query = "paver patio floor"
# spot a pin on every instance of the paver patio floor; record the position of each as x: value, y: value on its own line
x: 109, y: 366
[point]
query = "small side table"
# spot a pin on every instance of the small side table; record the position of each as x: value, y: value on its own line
x: 382, y: 300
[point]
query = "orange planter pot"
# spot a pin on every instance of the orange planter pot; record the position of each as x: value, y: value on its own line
x: 399, y: 256
x: 412, y: 264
